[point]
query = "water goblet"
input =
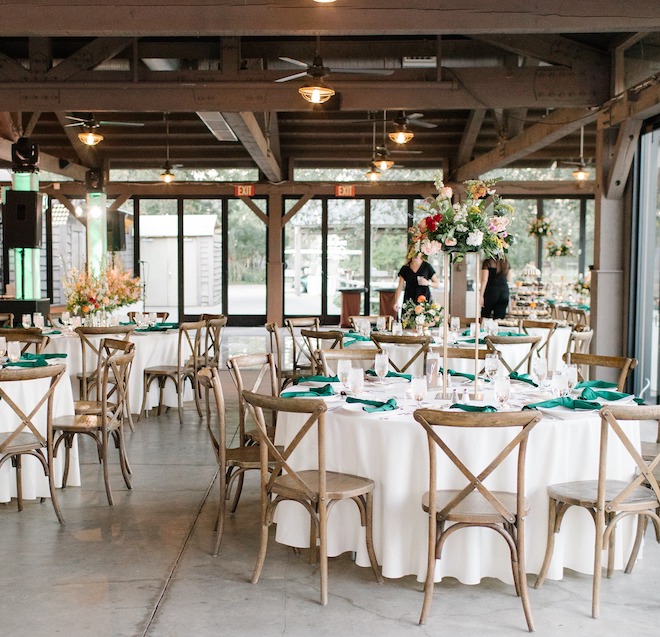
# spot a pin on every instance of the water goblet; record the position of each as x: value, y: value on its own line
x: 559, y: 384
x: 492, y: 365
x: 418, y: 388
x: 455, y: 324
x: 343, y: 370
x: 13, y: 351
x: 26, y: 320
x: 3, y: 347
x: 381, y: 364
x: 570, y: 371
x: 397, y: 329
x: 381, y: 323
x: 502, y: 390
x: 540, y: 369
x: 65, y: 318
x: 356, y: 380
x: 153, y: 317
x: 473, y: 330
x: 38, y: 320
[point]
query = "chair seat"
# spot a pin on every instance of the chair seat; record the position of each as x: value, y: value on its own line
x: 339, y: 485
x: 162, y: 370
x: 246, y: 457
x: 79, y: 423
x: 585, y: 494
x: 87, y: 407
x: 650, y: 450
x: 475, y: 506
x: 25, y: 441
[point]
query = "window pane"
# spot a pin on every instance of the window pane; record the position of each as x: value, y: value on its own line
x: 523, y: 247
x: 564, y: 215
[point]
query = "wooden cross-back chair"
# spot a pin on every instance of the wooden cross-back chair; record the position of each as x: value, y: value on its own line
x: 315, y: 340
x: 315, y: 489
x: 28, y: 337
x: 189, y: 354
x: 610, y: 500
x: 579, y: 339
x: 477, y: 505
x: 26, y: 438
x: 6, y: 319
x: 494, y: 342
x: 285, y: 375
x: 358, y: 358
x: 105, y: 426
x: 233, y: 462
x: 548, y: 328
x: 418, y: 345
x: 302, y: 357
x: 624, y: 364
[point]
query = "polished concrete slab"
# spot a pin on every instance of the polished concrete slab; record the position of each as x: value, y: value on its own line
x: 144, y: 566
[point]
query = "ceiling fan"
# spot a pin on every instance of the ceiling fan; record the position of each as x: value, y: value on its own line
x: 168, y: 175
x: 401, y: 134
x: 581, y: 173
x: 90, y: 135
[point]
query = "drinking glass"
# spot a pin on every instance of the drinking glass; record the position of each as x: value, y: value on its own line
x: 381, y: 363
x: 540, y: 369
x: 66, y: 318
x: 570, y: 371
x: 381, y: 323
x: 26, y: 320
x: 502, y: 390
x: 559, y: 384
x: 418, y: 388
x: 14, y: 350
x: 38, y: 320
x: 455, y: 324
x: 356, y: 380
x: 343, y: 370
x: 492, y: 365
x: 153, y: 317
x: 3, y: 346
x: 473, y: 330
x: 397, y: 329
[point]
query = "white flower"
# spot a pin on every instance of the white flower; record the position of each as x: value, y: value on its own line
x: 461, y: 228
x: 420, y: 320
x: 475, y: 238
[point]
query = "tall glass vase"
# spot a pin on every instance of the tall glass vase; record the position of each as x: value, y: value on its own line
x: 477, y: 321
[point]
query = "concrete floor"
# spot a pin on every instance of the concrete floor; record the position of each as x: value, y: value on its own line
x: 144, y: 566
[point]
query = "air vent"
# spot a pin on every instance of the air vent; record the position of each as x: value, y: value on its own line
x: 422, y: 62
x: 217, y: 124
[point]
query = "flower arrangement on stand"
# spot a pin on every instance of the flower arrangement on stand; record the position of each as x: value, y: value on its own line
x: 561, y: 249
x: 539, y: 227
x: 421, y: 314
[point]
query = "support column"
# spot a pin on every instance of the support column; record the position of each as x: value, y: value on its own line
x: 274, y: 266
x: 97, y: 232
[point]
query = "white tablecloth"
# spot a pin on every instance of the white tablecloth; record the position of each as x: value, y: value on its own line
x: 151, y: 348
x: 391, y: 449
x: 35, y: 483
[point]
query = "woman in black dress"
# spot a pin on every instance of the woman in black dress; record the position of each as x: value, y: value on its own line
x: 416, y: 278
x: 494, y: 288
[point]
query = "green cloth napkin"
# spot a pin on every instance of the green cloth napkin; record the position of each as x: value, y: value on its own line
x: 467, y: 333
x: 32, y: 363
x: 597, y: 384
x: 464, y: 407
x: 471, y: 340
x: 354, y: 337
x: 374, y: 405
x: 390, y: 374
x: 51, y: 332
x: 590, y: 394
x: 565, y: 401
x: 326, y: 390
x: 316, y: 379
x: 525, y: 378
x: 453, y: 372
x: 33, y: 357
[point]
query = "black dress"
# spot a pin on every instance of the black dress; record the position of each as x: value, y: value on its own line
x: 496, y: 294
x: 412, y: 289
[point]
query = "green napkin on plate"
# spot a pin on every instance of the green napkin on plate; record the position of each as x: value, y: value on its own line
x: 28, y: 363
x: 453, y: 372
x: 525, y: 378
x: 50, y: 332
x: 326, y: 390
x: 565, y: 401
x: 390, y: 374
x: 316, y: 379
x: 354, y: 337
x: 591, y: 394
x: 596, y: 384
x: 475, y: 408
x: 32, y: 357
x: 471, y: 340
x: 371, y: 406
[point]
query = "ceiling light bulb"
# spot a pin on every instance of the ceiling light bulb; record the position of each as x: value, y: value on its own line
x: 324, y: 1
x: 316, y: 94
x: 581, y: 174
x: 401, y: 135
x: 167, y: 175
x: 90, y: 138
x: 383, y: 164
x: 372, y: 174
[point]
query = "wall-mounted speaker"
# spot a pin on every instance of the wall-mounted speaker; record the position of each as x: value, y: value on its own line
x: 21, y: 219
x: 116, y: 231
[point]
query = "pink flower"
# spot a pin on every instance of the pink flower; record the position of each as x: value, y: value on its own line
x: 450, y: 242
x: 446, y: 192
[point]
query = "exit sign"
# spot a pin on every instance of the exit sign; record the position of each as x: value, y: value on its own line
x: 244, y: 190
x: 344, y: 191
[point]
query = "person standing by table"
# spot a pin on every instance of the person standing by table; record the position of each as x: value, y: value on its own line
x: 495, y: 288
x: 416, y: 278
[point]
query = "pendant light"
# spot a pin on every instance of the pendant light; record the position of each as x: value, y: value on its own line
x: 89, y: 136
x: 316, y: 93
x: 401, y: 134
x: 381, y: 159
x: 167, y: 175
x: 581, y: 174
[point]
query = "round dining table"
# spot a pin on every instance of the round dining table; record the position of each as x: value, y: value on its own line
x: 391, y: 448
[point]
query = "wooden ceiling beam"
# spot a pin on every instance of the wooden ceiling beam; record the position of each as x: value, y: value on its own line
x: 93, y: 53
x: 469, y: 137
x: 622, y: 159
x: 87, y: 155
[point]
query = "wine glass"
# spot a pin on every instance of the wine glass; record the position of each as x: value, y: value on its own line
x: 455, y: 324
x: 570, y: 371
x: 65, y: 318
x: 397, y: 329
x: 502, y: 390
x: 38, y: 320
x: 492, y: 365
x: 559, y: 384
x: 418, y: 388
x: 356, y: 380
x: 381, y: 364
x: 153, y: 317
x: 26, y: 320
x: 381, y: 323
x: 343, y: 370
x: 14, y: 350
x: 3, y: 347
x: 540, y: 369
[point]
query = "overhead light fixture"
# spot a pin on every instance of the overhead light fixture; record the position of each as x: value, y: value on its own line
x: 382, y: 163
x: 89, y: 137
x: 317, y: 93
x: 401, y: 135
x: 167, y: 176
x: 373, y: 174
x: 581, y: 174
x: 324, y: 1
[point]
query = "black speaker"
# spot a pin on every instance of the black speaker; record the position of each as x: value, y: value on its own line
x: 116, y: 231
x: 21, y: 219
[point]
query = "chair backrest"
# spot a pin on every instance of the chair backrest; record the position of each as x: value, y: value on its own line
x: 28, y: 337
x: 548, y: 328
x: 210, y: 377
x: 315, y: 410
x: 190, y: 340
x: 302, y: 357
x: 462, y: 353
x: 524, y: 421
x: 275, y: 348
x: 107, y: 348
x: 315, y: 340
x: 495, y: 342
x: 646, y: 471
x: 358, y: 358
x: 23, y: 430
x: 417, y: 348
x: 54, y: 316
x: 91, y: 346
x: 6, y: 319
x: 579, y: 340
x: 264, y: 383
x: 160, y: 316
x: 624, y: 364
x: 114, y: 377
x: 373, y: 320
x: 215, y: 324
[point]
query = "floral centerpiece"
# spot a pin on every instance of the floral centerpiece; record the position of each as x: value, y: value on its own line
x: 83, y: 292
x: 420, y: 313
x: 582, y: 286
x: 477, y: 224
x: 121, y: 288
x: 539, y: 227
x: 87, y: 293
x: 560, y: 249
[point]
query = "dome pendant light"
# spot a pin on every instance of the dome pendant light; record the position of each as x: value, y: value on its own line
x: 317, y: 93
x: 401, y: 135
x: 167, y: 176
x: 581, y: 174
x: 89, y: 137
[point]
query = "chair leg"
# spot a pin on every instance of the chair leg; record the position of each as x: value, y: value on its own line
x: 263, y: 545
x: 53, y: 492
x: 369, y: 532
x: 19, y: 480
x: 197, y: 390
x: 550, y: 545
x: 522, y: 576
x: 145, y: 390
x: 642, y: 522
x: 598, y: 565
x: 610, y: 550
x: 237, y: 493
x: 123, y: 458
x: 430, y: 570
x: 323, y: 551
x: 220, y: 522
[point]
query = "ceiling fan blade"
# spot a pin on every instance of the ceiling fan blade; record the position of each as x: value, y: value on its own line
x: 415, y: 115
x: 406, y: 152
x: 421, y: 124
x: 362, y: 71
x: 77, y: 119
x: 115, y: 123
x: 295, y: 76
x: 82, y: 123
x: 294, y: 62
